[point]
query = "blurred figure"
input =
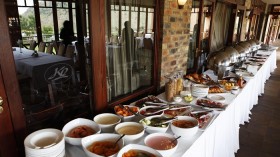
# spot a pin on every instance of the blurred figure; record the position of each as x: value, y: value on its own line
x: 67, y: 33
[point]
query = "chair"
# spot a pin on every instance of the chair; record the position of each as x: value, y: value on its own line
x: 42, y: 47
x: 50, y: 48
x: 61, y: 49
x: 70, y: 51
x: 55, y: 46
x: 32, y: 44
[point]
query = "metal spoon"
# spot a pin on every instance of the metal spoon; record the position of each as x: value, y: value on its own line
x: 175, y: 139
x: 119, y: 139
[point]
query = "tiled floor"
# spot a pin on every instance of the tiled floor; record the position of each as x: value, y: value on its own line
x: 261, y: 136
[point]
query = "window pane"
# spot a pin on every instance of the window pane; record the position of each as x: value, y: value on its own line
x: 65, y: 4
x: 21, y: 2
x: 62, y: 15
x: 48, y: 3
x: 27, y: 24
x: 59, y: 4
x: 47, y: 24
x: 128, y: 54
x: 29, y: 3
x: 193, y: 34
x: 41, y: 3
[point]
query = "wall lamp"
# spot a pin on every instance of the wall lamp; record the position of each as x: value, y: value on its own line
x: 181, y: 3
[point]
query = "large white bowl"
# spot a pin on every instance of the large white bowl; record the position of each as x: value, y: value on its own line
x: 89, y: 140
x: 44, y: 142
x: 133, y: 131
x: 185, y: 132
x: 138, y: 147
x: 75, y: 123
x: 157, y: 139
x: 153, y: 129
x: 107, y: 121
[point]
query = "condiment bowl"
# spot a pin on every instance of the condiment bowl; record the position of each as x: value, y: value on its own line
x: 138, y: 148
x: 125, y: 112
x: 101, y: 142
x: 107, y: 121
x: 166, y: 144
x: 153, y: 129
x: 79, y: 128
x: 133, y: 131
x: 184, y: 126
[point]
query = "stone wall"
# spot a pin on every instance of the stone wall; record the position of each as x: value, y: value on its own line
x: 175, y: 38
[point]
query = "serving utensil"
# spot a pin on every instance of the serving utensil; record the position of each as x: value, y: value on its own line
x: 119, y: 139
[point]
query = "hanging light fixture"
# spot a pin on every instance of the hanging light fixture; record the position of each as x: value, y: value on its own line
x: 181, y: 3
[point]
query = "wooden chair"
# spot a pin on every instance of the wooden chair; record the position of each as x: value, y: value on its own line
x: 50, y: 48
x: 32, y: 44
x: 61, y: 49
x: 70, y: 51
x: 42, y: 47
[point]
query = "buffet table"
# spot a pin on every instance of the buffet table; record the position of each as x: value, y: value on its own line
x: 221, y: 137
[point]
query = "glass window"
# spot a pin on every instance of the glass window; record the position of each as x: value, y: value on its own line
x: 193, y: 34
x: 21, y: 2
x: 47, y: 26
x: 27, y: 24
x: 48, y: 4
x: 129, y: 57
x: 29, y: 3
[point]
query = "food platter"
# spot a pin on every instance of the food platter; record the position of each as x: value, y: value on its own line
x: 206, y: 103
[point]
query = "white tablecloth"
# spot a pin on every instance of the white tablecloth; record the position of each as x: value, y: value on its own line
x: 221, y: 137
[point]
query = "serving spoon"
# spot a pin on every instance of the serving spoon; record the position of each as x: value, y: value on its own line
x: 118, y: 140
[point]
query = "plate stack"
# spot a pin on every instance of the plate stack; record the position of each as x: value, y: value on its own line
x: 45, y: 143
x: 199, y: 90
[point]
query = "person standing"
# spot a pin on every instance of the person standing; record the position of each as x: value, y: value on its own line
x: 67, y: 33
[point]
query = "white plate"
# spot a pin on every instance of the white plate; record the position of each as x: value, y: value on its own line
x: 217, y: 98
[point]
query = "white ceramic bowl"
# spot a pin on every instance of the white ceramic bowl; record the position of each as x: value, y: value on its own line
x: 89, y: 140
x: 140, y: 148
x: 185, y: 132
x: 107, y: 121
x: 199, y: 90
x: 161, y: 142
x: 133, y: 131
x: 153, y: 129
x: 76, y: 123
x: 126, y: 118
x: 44, y: 142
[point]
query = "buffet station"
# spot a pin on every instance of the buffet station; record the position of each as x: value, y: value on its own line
x: 198, y: 115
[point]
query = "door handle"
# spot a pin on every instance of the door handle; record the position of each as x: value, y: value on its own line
x: 1, y: 103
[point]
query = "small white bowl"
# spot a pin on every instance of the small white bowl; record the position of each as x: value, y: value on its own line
x: 185, y: 132
x: 153, y: 129
x: 89, y: 140
x: 133, y: 131
x: 107, y: 121
x: 234, y: 91
x: 177, y: 99
x: 138, y: 147
x: 161, y: 142
x: 75, y: 123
